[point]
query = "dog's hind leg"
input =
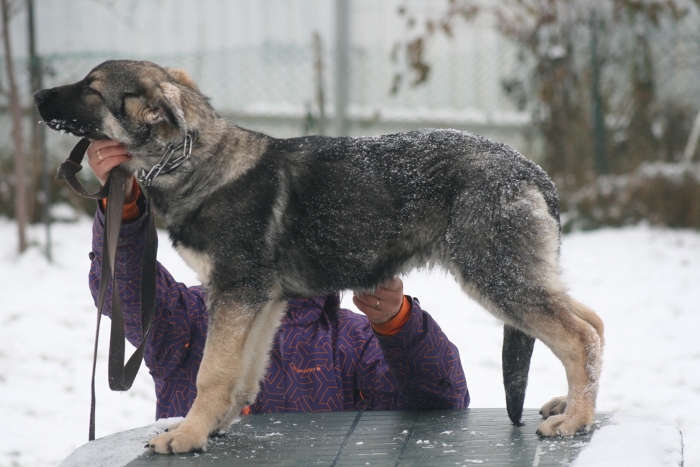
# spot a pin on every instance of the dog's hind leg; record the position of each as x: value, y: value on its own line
x: 575, y: 335
x: 236, y: 338
x: 557, y: 405
x: 507, y: 258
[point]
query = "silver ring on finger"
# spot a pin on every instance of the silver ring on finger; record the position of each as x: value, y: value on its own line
x: 98, y: 155
x: 377, y: 304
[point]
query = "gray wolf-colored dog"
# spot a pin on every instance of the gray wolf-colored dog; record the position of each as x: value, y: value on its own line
x: 262, y: 220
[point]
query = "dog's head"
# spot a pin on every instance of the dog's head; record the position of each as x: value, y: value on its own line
x: 140, y: 104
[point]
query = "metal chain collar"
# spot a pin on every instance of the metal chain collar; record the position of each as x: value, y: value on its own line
x: 165, y: 165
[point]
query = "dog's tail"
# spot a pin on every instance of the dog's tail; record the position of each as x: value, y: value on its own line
x: 517, y: 352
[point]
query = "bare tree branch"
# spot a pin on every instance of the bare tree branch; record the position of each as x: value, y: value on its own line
x: 16, y: 112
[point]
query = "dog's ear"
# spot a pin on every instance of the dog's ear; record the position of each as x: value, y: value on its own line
x: 173, y: 100
x: 181, y: 76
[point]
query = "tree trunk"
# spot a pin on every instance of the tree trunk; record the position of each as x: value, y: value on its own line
x: 16, y: 112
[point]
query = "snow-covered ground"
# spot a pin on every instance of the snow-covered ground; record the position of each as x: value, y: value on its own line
x: 644, y: 282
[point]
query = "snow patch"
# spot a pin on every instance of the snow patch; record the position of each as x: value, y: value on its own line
x: 642, y: 281
x: 634, y: 437
x: 114, y: 450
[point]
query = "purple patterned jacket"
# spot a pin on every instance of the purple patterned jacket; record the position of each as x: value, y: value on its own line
x: 324, y: 358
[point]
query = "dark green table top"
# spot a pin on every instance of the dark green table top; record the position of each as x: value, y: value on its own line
x: 408, y: 438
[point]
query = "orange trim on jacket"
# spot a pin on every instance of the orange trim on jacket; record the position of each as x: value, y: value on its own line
x: 394, y: 325
x: 131, y: 209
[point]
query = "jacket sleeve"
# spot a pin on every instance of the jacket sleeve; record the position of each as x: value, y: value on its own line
x: 425, y: 365
x: 176, y: 341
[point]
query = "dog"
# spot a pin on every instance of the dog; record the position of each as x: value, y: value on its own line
x: 262, y: 220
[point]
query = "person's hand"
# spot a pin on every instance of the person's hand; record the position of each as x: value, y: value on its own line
x: 382, y: 304
x: 103, y: 156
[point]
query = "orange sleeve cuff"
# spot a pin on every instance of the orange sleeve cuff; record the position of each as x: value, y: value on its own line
x: 131, y: 209
x: 394, y: 325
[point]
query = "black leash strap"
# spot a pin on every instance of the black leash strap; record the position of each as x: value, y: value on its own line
x: 70, y: 167
x: 120, y: 376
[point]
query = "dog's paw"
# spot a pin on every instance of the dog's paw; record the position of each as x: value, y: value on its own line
x: 561, y: 425
x: 178, y: 440
x: 223, y: 426
x: 556, y: 406
x: 174, y: 426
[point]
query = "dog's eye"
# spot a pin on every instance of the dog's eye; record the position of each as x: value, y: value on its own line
x: 91, y: 92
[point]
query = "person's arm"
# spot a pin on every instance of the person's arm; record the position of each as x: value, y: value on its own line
x: 425, y: 364
x: 419, y: 360
x: 179, y: 310
x: 179, y: 324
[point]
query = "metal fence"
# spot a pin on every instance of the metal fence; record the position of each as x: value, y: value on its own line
x: 259, y: 63
x: 274, y: 86
x: 269, y: 81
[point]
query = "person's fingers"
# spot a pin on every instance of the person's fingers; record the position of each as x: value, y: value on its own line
x: 369, y: 300
x: 100, y: 147
x: 391, y: 292
x: 373, y: 310
x: 393, y: 284
x: 104, y: 153
x: 103, y: 156
x: 382, y: 304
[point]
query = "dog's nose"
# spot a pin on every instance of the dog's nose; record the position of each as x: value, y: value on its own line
x: 40, y: 96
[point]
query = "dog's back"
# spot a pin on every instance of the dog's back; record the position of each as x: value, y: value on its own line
x: 352, y: 212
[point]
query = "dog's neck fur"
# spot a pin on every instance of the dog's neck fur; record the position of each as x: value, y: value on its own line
x: 207, y: 169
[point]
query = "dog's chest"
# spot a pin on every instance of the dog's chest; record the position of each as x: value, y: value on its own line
x: 200, y: 262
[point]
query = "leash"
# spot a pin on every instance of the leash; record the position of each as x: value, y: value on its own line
x: 120, y: 376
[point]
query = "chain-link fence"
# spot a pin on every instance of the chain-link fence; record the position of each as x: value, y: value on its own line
x: 272, y: 79
x: 274, y: 86
x: 270, y: 76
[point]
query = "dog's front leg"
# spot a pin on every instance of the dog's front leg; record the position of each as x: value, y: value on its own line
x: 238, y: 342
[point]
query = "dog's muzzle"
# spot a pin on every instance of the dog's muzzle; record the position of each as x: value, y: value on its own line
x: 40, y: 96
